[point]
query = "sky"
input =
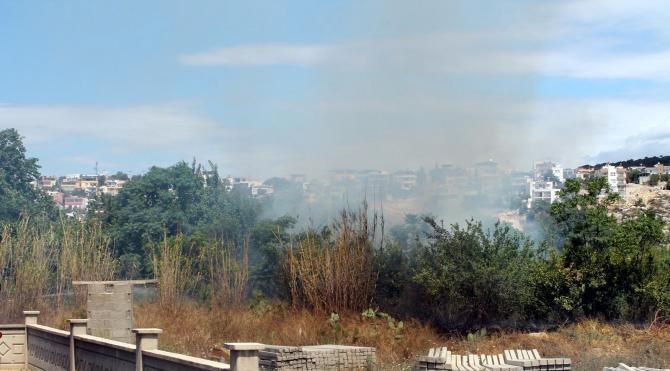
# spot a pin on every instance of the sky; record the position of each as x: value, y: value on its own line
x: 266, y: 88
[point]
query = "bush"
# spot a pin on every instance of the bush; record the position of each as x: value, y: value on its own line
x: 468, y: 277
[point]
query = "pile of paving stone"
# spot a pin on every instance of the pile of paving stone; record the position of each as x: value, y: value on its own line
x: 510, y: 360
x: 624, y: 367
x: 316, y: 357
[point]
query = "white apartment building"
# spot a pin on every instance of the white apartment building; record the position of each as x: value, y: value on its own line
x: 616, y: 178
x: 541, y: 190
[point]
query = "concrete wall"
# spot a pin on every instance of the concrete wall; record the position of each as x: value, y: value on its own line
x: 109, y: 307
x: 94, y: 353
x: 12, y: 346
x: 48, y: 348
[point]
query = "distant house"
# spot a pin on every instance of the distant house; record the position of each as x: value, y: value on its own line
x: 584, y: 173
x: 47, y: 182
x: 75, y: 202
x: 112, y: 187
x: 58, y: 197
x: 69, y: 185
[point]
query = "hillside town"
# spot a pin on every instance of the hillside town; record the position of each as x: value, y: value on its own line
x: 485, y: 184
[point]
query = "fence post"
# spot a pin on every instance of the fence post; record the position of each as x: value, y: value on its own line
x: 244, y: 356
x: 31, y: 316
x: 145, y: 339
x: 77, y: 327
x: 30, y: 319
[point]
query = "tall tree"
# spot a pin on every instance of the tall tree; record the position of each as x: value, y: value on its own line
x: 18, y: 197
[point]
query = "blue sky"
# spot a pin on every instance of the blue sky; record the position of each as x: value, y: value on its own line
x: 276, y: 87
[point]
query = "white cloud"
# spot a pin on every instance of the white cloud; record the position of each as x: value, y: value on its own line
x: 260, y: 54
x: 147, y: 127
x: 577, y: 39
x: 129, y: 138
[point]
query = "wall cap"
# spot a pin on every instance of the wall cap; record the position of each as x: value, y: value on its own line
x: 244, y: 346
x: 147, y: 331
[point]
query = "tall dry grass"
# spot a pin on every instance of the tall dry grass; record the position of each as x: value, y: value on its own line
x: 216, y: 270
x: 84, y: 255
x: 333, y: 274
x: 40, y: 259
x: 174, y: 266
x: 228, y: 273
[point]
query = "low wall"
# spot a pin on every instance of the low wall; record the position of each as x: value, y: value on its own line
x: 95, y: 353
x: 155, y: 360
x: 12, y: 346
x: 36, y: 347
x: 50, y: 349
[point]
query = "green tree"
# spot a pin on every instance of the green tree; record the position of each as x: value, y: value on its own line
x: 602, y: 265
x: 18, y: 197
x: 178, y: 200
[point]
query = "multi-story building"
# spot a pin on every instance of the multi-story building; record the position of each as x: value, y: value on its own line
x: 616, y: 178
x: 541, y: 191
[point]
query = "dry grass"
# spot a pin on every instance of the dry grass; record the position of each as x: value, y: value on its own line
x: 39, y: 261
x: 591, y: 345
x: 173, y: 265
x: 201, y: 331
x: 228, y: 273
x: 338, y: 275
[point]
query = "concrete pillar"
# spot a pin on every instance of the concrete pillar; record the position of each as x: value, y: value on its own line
x: 244, y: 356
x: 30, y: 319
x: 145, y: 339
x: 77, y: 327
x: 31, y: 316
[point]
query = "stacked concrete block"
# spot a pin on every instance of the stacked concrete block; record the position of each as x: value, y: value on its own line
x: 318, y: 357
x: 110, y: 311
x: 443, y: 359
x: 531, y: 360
x: 624, y: 367
x: 436, y: 360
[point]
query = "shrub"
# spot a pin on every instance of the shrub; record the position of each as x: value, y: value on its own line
x: 468, y: 277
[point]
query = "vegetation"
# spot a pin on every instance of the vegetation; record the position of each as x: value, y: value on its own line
x: 349, y: 281
x: 40, y: 259
x: 18, y: 197
x: 647, y: 161
x: 333, y: 271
